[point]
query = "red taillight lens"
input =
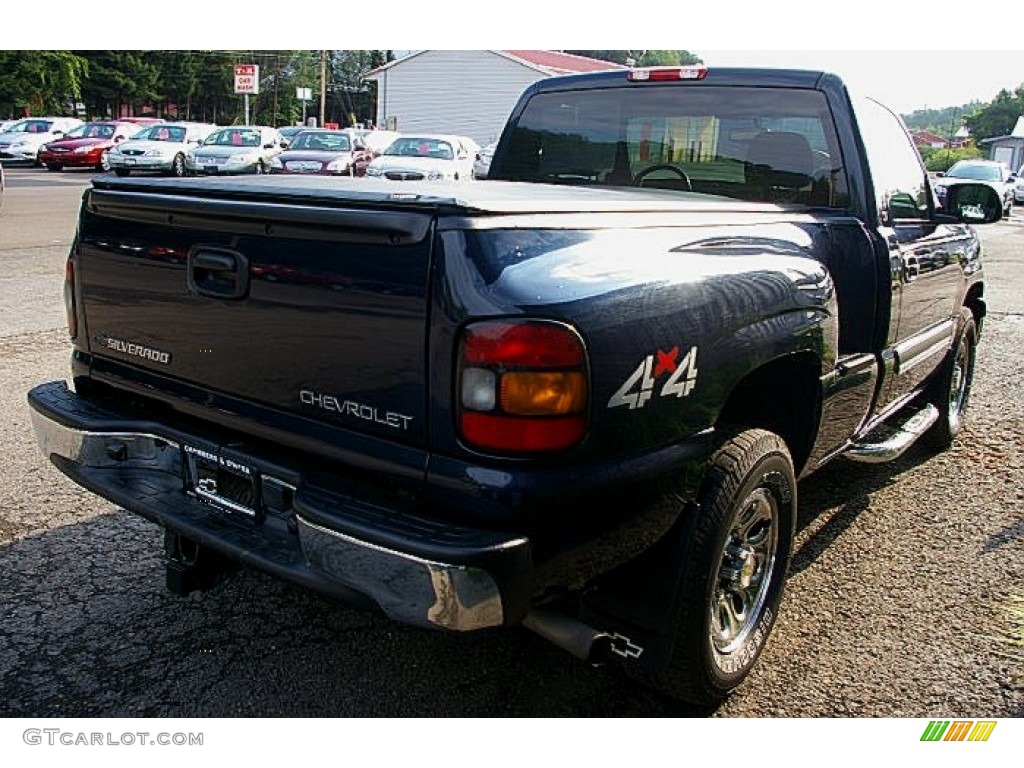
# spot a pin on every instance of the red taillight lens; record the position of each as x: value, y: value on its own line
x: 663, y: 74
x: 69, y: 298
x: 533, y: 345
x: 522, y: 386
x: 521, y: 435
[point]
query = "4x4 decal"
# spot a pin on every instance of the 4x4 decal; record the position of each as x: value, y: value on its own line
x: 640, y: 386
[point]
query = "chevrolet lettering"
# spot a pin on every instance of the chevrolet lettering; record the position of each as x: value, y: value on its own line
x: 576, y: 398
x: 358, y: 410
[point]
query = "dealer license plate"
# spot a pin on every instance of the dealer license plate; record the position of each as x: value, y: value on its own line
x: 223, y: 482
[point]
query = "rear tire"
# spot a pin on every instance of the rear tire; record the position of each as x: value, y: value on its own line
x: 54, y: 167
x: 951, y: 390
x: 732, y: 556
x: 178, y: 166
x: 122, y: 171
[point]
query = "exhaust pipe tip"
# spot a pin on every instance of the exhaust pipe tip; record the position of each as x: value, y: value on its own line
x: 580, y: 640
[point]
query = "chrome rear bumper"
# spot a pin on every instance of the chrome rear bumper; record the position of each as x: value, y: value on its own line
x: 416, y: 570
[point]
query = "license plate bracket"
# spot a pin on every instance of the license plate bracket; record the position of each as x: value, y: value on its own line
x: 225, y: 483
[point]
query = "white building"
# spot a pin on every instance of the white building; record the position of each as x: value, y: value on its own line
x: 469, y: 93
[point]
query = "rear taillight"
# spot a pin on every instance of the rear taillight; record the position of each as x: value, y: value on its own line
x: 69, y: 298
x: 522, y: 386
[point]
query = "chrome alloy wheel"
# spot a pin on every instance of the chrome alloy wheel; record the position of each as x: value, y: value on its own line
x: 744, y: 571
x: 958, y: 385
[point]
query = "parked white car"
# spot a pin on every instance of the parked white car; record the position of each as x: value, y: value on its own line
x: 236, y: 149
x: 989, y: 172
x: 159, y: 148
x: 426, y: 157
x: 482, y: 163
x: 22, y: 140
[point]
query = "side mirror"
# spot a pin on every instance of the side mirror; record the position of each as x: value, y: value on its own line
x: 973, y: 203
x: 940, y: 174
x: 271, y: 145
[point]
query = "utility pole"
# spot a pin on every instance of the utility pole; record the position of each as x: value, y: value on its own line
x: 323, y: 87
x: 952, y: 135
x: 277, y: 78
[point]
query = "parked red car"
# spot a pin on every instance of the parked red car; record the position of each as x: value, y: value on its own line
x: 86, y: 146
x: 325, y: 152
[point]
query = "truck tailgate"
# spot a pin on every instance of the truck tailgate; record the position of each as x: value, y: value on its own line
x: 317, y: 310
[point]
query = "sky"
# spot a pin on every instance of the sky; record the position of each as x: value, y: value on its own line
x: 870, y: 72
x: 904, y: 80
x: 908, y: 55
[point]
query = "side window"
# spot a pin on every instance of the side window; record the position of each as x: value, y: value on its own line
x: 901, y: 183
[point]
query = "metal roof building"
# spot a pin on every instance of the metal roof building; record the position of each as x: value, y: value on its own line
x: 469, y: 93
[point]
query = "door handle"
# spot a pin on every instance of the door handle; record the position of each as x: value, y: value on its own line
x: 218, y: 273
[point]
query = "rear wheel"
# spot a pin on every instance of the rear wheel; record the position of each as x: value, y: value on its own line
x: 54, y: 167
x: 951, y: 390
x: 104, y: 163
x: 122, y: 171
x: 733, y: 559
x: 178, y: 166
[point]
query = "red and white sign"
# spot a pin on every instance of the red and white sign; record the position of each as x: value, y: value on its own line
x: 247, y: 78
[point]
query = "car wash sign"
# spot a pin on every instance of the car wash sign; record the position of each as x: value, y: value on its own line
x: 247, y: 78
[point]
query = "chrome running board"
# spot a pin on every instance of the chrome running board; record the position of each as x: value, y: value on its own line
x: 897, y: 438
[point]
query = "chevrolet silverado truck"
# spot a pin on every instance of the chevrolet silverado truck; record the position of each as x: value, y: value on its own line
x: 576, y: 397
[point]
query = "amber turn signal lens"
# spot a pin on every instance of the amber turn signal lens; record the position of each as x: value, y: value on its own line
x: 543, y: 393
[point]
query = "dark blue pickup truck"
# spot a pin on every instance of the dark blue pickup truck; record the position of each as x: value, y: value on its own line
x: 577, y: 396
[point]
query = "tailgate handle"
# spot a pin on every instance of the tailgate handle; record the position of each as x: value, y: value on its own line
x: 218, y: 272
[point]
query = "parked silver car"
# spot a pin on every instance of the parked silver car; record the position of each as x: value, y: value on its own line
x: 236, y: 149
x: 159, y: 148
x: 428, y: 157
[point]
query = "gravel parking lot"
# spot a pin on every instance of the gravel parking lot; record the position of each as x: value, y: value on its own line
x: 898, y: 605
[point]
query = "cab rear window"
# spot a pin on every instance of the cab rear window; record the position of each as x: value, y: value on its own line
x: 758, y: 144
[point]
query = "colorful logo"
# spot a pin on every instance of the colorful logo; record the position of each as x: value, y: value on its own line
x: 958, y: 730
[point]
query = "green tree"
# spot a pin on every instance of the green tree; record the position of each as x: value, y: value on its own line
x: 351, y: 99
x: 941, y: 159
x: 999, y: 117
x: 942, y: 122
x: 118, y: 82
x: 644, y: 58
x: 41, y: 82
